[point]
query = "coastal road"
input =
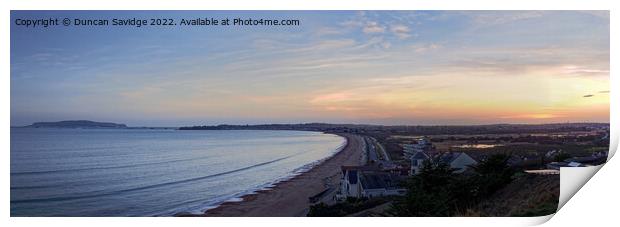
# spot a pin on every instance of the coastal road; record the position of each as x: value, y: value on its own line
x: 290, y: 198
x: 376, y: 152
x: 371, y: 149
x: 380, y: 150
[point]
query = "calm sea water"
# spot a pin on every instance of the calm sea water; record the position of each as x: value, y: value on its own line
x: 131, y: 172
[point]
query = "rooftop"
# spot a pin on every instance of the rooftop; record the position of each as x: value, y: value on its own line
x: 378, y: 180
x: 420, y: 155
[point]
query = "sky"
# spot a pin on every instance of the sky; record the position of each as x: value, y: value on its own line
x: 367, y: 67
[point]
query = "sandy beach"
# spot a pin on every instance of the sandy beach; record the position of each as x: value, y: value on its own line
x: 290, y: 198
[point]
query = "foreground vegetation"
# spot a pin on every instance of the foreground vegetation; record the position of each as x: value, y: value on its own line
x: 528, y: 195
x: 437, y: 191
x: 349, y: 206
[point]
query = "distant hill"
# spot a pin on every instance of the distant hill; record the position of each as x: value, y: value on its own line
x: 414, y: 129
x: 76, y: 124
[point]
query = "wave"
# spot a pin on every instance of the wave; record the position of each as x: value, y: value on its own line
x: 34, y: 187
x: 66, y: 198
x: 106, y: 167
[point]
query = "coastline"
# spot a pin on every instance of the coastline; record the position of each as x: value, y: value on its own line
x: 290, y: 197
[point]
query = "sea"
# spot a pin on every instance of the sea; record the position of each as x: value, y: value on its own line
x: 152, y: 172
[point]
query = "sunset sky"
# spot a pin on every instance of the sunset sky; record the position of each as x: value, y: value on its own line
x: 376, y: 67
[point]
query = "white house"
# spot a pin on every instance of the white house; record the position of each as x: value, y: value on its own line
x: 378, y: 184
x: 349, y: 183
x: 459, y: 161
x: 417, y: 160
x: 364, y: 181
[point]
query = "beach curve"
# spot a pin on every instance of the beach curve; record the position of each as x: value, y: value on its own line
x: 289, y: 198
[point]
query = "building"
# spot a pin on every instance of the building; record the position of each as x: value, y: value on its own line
x: 459, y: 161
x: 552, y: 153
x: 596, y: 158
x: 365, y: 181
x: 417, y: 160
x: 378, y: 184
x: 557, y: 165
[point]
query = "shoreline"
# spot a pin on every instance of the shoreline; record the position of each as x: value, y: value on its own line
x: 289, y: 197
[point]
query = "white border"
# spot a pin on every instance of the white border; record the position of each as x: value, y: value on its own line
x: 315, y: 5
x: 592, y: 191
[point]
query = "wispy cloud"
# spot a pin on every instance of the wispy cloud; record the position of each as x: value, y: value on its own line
x: 493, y: 18
x: 401, y: 31
x: 580, y: 70
x: 533, y: 116
x: 373, y: 27
x: 421, y: 48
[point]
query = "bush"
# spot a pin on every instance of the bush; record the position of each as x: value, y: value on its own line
x: 428, y: 193
x: 349, y: 206
x: 437, y: 191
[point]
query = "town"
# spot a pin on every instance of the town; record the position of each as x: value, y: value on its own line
x: 539, y: 154
x: 394, y: 156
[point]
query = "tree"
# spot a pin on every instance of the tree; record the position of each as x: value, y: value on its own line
x: 492, y: 174
x: 437, y: 191
x: 427, y: 194
x: 561, y: 156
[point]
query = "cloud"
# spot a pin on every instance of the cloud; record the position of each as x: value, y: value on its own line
x: 580, y: 70
x: 421, y: 48
x: 533, y: 116
x: 604, y: 14
x: 351, y: 24
x: 490, y: 18
x: 333, y: 97
x: 42, y: 56
x: 329, y: 31
x: 401, y: 31
x: 373, y: 27
x: 325, y: 45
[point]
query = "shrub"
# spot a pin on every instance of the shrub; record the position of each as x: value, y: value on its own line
x: 437, y: 191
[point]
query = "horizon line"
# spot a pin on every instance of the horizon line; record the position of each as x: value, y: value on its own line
x: 358, y: 124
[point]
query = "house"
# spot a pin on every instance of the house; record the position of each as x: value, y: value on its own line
x: 417, y: 160
x: 552, y: 153
x: 349, y: 183
x: 596, y: 158
x: 512, y: 161
x: 557, y: 165
x: 459, y: 161
x: 366, y: 181
x: 378, y: 184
